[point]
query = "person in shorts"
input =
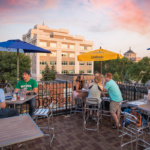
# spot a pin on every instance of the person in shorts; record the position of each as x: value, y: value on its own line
x: 31, y: 86
x: 115, y: 96
x: 6, y: 112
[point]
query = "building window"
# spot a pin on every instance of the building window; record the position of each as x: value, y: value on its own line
x: 72, y: 55
x: 64, y: 63
x: 89, y: 63
x: 71, y: 63
x: 43, y: 54
x: 53, y: 45
x: 81, y: 63
x: 89, y: 48
x: 72, y: 47
x: 53, y: 54
x: 43, y: 44
x: 64, y: 54
x: 53, y: 63
x: 71, y: 71
x: 42, y: 62
x: 89, y: 71
x: 82, y: 48
x: 41, y: 71
x: 64, y: 46
x: 64, y: 71
x: 81, y: 71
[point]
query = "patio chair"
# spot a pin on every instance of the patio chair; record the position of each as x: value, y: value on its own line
x: 132, y: 130
x: 77, y: 104
x: 91, y: 104
x: 46, y: 113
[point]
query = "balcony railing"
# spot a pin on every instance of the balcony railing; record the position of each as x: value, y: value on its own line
x: 61, y: 94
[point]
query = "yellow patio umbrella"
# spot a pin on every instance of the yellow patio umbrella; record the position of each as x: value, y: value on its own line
x: 99, y: 55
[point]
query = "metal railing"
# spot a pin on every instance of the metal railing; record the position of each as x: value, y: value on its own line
x: 61, y: 93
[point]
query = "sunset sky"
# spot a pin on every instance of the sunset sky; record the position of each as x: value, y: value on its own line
x: 114, y: 25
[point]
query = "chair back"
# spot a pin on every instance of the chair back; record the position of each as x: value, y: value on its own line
x: 51, y: 106
x: 92, y: 101
x: 131, y: 118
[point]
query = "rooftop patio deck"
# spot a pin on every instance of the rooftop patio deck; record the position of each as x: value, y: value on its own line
x: 70, y: 136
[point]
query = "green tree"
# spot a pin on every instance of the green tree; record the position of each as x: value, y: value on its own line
x: 49, y: 74
x: 140, y: 71
x: 120, y: 66
x: 127, y: 78
x: 116, y: 77
x: 8, y: 66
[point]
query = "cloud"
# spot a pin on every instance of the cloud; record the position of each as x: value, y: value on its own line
x: 20, y: 11
x: 129, y: 14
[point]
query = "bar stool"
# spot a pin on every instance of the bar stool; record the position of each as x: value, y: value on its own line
x: 91, y: 104
x: 46, y: 113
x: 79, y: 105
x: 132, y: 130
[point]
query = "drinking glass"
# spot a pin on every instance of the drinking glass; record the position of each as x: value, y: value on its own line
x: 146, y: 98
x: 9, y: 91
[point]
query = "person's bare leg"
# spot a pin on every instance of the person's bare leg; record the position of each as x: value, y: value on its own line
x: 115, y: 117
x: 118, y: 116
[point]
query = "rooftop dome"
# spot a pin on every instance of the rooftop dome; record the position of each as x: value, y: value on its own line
x: 130, y: 51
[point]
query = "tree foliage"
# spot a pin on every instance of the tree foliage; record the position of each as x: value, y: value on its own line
x: 117, y: 65
x: 49, y: 74
x: 127, y: 70
x: 140, y: 71
x: 116, y: 77
x: 8, y: 66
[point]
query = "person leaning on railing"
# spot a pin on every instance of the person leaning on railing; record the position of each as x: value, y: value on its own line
x: 115, y: 96
x: 79, y: 85
x: 6, y: 112
x: 31, y: 86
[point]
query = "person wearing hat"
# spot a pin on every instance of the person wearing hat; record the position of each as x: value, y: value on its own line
x: 31, y: 86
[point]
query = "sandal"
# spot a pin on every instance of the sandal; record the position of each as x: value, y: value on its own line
x: 114, y: 127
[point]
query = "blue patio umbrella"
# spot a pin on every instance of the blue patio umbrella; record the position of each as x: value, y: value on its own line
x: 20, y: 47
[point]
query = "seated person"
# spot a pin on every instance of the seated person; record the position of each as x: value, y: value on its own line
x: 79, y: 85
x: 6, y: 112
x: 96, y: 74
x: 95, y: 89
x: 31, y: 86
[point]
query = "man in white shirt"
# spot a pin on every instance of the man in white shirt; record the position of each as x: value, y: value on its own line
x: 5, y: 112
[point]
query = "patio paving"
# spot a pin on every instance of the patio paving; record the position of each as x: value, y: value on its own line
x: 70, y: 136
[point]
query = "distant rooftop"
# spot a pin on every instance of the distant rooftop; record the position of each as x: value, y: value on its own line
x: 129, y: 51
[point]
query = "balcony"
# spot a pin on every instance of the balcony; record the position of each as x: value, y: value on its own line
x: 69, y: 136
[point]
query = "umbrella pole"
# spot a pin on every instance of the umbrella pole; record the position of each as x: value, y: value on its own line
x: 101, y: 69
x: 17, y: 65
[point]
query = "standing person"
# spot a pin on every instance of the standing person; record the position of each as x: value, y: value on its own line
x: 31, y: 86
x: 115, y: 96
x: 6, y: 112
x: 79, y: 85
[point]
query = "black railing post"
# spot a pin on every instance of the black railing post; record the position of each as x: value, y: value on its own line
x: 66, y: 96
x: 134, y: 92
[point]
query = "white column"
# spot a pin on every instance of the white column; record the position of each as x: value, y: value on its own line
x: 59, y: 60
x: 59, y: 57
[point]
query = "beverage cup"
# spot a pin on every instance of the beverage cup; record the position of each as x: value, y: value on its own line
x: 146, y: 98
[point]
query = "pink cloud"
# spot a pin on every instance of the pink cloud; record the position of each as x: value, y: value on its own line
x: 127, y: 14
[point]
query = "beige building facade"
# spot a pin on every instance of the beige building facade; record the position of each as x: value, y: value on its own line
x: 64, y: 47
x: 131, y: 55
